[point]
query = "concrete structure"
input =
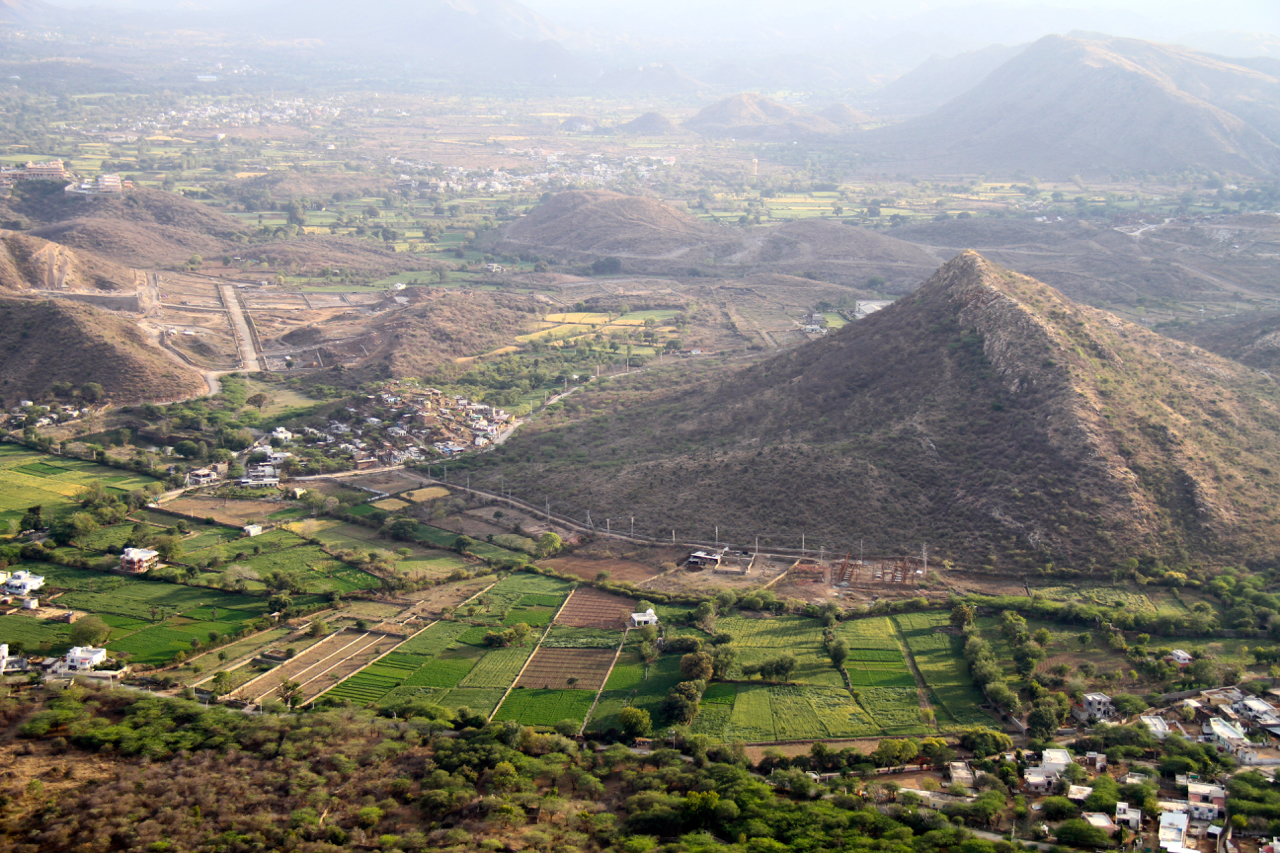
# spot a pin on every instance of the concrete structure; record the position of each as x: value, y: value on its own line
x: 1095, y: 706
x: 1101, y: 821
x: 252, y: 529
x: 1179, y: 657
x: 82, y: 658
x: 202, y: 477
x: 1157, y: 726
x: 1078, y: 793
x: 960, y: 773
x: 1226, y: 736
x: 641, y: 619
x: 1173, y: 833
x: 7, y: 662
x: 1206, y: 801
x: 23, y: 583
x: 1130, y: 817
x: 135, y: 561
x: 1055, y: 760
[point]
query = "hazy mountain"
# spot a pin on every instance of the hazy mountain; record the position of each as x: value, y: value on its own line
x: 752, y: 116
x: 986, y: 414
x: 1077, y: 105
x: 941, y: 78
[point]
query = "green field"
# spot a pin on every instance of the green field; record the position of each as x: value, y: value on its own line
x: 940, y: 659
x: 546, y: 707
x: 30, y: 478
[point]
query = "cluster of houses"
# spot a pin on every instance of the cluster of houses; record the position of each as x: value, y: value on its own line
x: 1226, y: 717
x: 404, y: 426
x: 53, y: 170
x: 78, y: 661
x: 49, y: 415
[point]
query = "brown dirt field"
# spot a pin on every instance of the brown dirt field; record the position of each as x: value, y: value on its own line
x: 236, y: 513
x: 464, y: 523
x: 57, y: 773
x: 449, y: 595
x: 390, y: 481
x: 984, y: 585
x: 554, y: 667
x: 591, y: 608
x: 588, y: 567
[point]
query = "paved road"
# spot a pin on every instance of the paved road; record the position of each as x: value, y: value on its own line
x: 244, y: 339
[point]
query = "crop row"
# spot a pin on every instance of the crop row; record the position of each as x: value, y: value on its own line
x: 546, y: 707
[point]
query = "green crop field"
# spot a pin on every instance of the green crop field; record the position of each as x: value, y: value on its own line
x: 498, y: 668
x: 895, y: 710
x: 445, y: 538
x: 30, y: 478
x: 546, y: 707
x: 447, y: 669
x: 756, y: 640
x: 434, y: 639
x: 940, y: 659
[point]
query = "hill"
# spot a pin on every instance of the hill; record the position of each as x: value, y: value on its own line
x: 844, y: 115
x: 986, y: 415
x: 655, y: 238
x: 654, y: 79
x: 29, y: 263
x: 1067, y: 106
x: 144, y: 228
x: 751, y: 116
x: 609, y: 223
x: 649, y: 124
x: 1252, y: 339
x: 59, y: 341
x: 941, y: 78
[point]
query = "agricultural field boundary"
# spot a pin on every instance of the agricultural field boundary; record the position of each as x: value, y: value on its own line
x: 345, y: 659
x: 923, y: 691
x: 545, y: 632
x: 600, y: 690
x: 387, y: 652
x: 366, y: 666
x: 248, y: 684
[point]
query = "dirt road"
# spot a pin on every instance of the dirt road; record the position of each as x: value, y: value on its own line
x: 249, y: 359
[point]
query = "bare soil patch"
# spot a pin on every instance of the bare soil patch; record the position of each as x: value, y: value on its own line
x: 559, y: 669
x: 236, y: 513
x: 433, y: 600
x: 588, y: 567
x: 392, y: 482
x: 591, y: 608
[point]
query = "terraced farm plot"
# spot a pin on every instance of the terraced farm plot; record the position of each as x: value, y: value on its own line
x: 758, y: 640
x: 378, y: 678
x: 434, y: 639
x: 632, y: 675
x: 498, y: 668
x: 875, y: 632
x: 441, y: 538
x: 545, y: 707
x: 482, y: 701
x: 560, y: 669
x: 534, y: 617
x: 591, y: 608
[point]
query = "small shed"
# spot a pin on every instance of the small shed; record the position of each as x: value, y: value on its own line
x: 639, y: 620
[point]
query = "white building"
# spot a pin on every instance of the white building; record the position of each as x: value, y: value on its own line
x: 1179, y: 657
x: 648, y: 617
x: 1055, y: 760
x: 1157, y: 726
x: 282, y: 434
x: 1095, y: 706
x: 1130, y: 817
x: 6, y: 662
x: 252, y: 529
x: 1205, y: 801
x: 23, y: 583
x: 82, y: 658
x: 1173, y: 833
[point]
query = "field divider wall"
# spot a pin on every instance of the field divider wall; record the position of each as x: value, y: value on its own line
x: 545, y: 632
x: 600, y: 692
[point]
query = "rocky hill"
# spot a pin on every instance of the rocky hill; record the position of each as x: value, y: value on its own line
x: 29, y: 263
x: 1252, y: 339
x: 143, y: 228
x: 751, y: 116
x: 655, y: 238
x: 941, y: 78
x: 59, y: 341
x: 844, y: 115
x: 649, y: 124
x: 986, y: 415
x: 1067, y: 106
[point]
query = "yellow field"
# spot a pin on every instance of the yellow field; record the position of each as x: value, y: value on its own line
x: 430, y: 493
x: 391, y: 504
x: 578, y: 318
x: 557, y: 332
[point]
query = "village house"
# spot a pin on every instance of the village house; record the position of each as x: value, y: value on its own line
x: 8, y: 662
x: 84, y: 658
x: 1156, y: 725
x: 1100, y: 820
x: 1206, y: 801
x: 136, y: 561
x: 252, y: 530
x: 1179, y: 657
x: 639, y: 620
x: 1129, y: 816
x: 23, y: 583
x: 1228, y: 737
x: 1172, y: 835
x: 1094, y: 706
x: 202, y: 477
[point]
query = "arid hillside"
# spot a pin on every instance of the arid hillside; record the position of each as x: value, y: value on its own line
x: 1068, y: 106
x: 651, y: 237
x: 58, y: 341
x: 29, y: 263
x: 1251, y: 339
x: 752, y: 116
x: 144, y: 228
x: 986, y: 415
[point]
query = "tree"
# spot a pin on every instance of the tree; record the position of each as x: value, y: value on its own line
x: 549, y: 544
x: 33, y: 519
x: 697, y: 667
x: 839, y: 652
x: 1082, y: 835
x: 635, y: 722
x: 961, y: 615
x: 607, y: 266
x: 91, y: 392
x: 89, y: 631
x: 258, y: 401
